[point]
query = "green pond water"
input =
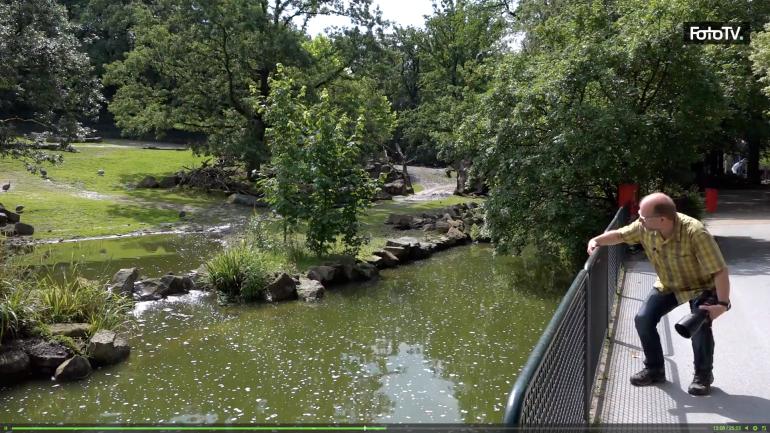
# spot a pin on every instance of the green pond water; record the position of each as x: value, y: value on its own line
x: 439, y: 340
x: 99, y: 259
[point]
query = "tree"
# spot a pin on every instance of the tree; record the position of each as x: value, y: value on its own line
x: 746, y: 120
x: 200, y: 66
x: 317, y: 177
x: 461, y: 38
x: 608, y: 94
x: 45, y: 78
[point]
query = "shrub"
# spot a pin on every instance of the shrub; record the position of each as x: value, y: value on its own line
x: 243, y: 271
x: 17, y: 310
x: 79, y: 300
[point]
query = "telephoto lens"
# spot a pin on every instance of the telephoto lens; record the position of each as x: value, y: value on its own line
x: 691, y: 323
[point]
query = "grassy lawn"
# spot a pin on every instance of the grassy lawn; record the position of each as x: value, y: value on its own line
x: 78, y: 202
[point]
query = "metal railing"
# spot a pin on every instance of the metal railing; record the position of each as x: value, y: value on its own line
x: 556, y: 384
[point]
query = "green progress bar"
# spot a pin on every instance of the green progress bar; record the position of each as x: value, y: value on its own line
x: 76, y: 428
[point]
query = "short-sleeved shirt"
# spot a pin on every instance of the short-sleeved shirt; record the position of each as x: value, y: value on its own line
x: 686, y: 262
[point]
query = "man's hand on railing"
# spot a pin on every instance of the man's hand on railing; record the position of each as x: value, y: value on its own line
x: 611, y: 237
x: 592, y: 246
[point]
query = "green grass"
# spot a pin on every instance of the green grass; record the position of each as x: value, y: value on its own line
x: 243, y: 271
x: 266, y: 235
x: 77, y: 300
x: 78, y: 202
x: 27, y: 303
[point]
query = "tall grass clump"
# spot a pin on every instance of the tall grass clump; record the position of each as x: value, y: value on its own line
x: 242, y: 271
x: 73, y: 300
x: 17, y: 309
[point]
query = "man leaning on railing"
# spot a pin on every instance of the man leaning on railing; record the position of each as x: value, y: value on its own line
x: 689, y: 266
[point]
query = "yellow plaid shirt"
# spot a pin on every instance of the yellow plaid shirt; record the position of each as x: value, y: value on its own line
x: 685, y: 263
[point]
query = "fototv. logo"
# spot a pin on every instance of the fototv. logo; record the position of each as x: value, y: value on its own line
x: 711, y: 32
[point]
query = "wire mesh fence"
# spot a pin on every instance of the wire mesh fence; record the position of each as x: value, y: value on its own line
x: 555, y: 385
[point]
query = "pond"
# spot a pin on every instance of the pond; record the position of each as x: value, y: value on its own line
x: 99, y: 259
x: 440, y: 340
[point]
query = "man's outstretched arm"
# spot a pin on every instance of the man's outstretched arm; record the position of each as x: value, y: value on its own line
x: 611, y: 237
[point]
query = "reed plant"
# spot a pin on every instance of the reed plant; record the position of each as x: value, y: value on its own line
x: 243, y: 271
x: 73, y: 299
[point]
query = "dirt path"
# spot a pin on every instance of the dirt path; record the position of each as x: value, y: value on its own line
x: 436, y: 185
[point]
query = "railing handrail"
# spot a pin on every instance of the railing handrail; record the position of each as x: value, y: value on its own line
x: 514, y: 405
x: 521, y: 386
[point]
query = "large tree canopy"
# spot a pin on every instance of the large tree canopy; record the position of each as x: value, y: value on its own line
x: 45, y: 77
x: 200, y: 66
x: 604, y: 93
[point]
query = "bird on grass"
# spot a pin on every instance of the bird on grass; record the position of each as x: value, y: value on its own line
x: 7, y: 186
x: 19, y: 209
x: 100, y: 172
x: 43, y: 172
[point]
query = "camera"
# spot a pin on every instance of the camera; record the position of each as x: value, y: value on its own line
x: 689, y: 325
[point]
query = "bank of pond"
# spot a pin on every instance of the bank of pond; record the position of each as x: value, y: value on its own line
x: 393, y: 338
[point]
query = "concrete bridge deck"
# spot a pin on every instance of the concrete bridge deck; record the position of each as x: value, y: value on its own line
x: 741, y: 389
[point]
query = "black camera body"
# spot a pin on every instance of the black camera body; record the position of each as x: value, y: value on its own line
x: 690, y: 324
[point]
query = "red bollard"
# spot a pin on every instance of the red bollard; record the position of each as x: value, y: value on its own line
x: 711, y: 199
x: 628, y: 195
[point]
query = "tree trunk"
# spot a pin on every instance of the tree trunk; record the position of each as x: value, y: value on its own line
x: 462, y: 177
x: 753, y: 166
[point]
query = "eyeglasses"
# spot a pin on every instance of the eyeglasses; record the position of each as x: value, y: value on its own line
x: 644, y: 219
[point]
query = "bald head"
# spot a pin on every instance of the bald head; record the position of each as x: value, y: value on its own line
x: 658, y: 203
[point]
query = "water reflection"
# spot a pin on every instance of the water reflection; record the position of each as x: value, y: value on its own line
x: 440, y: 340
x: 101, y: 258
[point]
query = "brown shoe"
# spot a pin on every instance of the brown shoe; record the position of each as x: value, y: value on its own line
x: 701, y: 384
x: 648, y: 376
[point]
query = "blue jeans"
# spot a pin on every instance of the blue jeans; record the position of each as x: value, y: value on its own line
x: 654, y: 308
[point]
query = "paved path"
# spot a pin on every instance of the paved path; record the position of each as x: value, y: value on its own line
x: 741, y: 390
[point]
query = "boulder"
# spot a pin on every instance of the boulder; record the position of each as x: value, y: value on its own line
x: 428, y: 227
x: 444, y: 242
x: 405, y: 242
x: 148, y: 182
x: 343, y: 273
x: 282, y: 288
x: 3, y: 218
x: 150, y: 289
x: 153, y: 289
x: 123, y: 280
x: 376, y: 261
x: 382, y: 195
x: 457, y: 235
x: 310, y: 290
x: 72, y: 330
x: 388, y: 259
x: 401, y: 253
x: 47, y: 355
x: 458, y: 224
x: 107, y: 347
x: 442, y: 226
x: 75, y: 368
x: 400, y: 221
x: 365, y: 271
x: 397, y: 187
x: 14, y: 364
x: 423, y: 250
x: 198, y: 277
x: 246, y: 200
x: 324, y: 274
x: 177, y: 285
x: 168, y: 182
